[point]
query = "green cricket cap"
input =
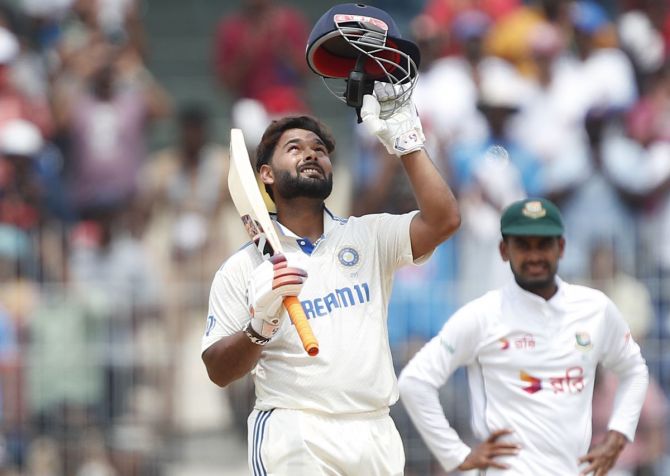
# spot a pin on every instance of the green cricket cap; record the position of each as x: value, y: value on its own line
x: 532, y: 217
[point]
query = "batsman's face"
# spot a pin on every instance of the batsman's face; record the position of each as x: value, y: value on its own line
x: 300, y: 166
x: 533, y: 259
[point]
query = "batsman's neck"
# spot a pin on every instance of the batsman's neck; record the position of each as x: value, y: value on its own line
x: 303, y: 216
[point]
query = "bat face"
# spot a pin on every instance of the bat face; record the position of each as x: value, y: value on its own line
x: 248, y: 199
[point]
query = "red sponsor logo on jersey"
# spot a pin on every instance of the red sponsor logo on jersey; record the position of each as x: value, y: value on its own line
x: 534, y: 383
x: 504, y: 344
x: 527, y: 341
x: 572, y: 381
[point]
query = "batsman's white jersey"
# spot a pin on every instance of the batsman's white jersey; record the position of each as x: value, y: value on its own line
x: 531, y: 367
x: 345, y: 298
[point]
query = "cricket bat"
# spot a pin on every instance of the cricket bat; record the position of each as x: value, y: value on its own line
x: 256, y: 220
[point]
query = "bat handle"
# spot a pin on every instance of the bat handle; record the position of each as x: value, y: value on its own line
x: 295, y: 311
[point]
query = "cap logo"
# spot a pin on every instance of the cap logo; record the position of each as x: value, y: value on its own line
x: 344, y: 18
x: 534, y: 210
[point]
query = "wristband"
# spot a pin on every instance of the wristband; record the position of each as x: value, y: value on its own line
x: 254, y: 336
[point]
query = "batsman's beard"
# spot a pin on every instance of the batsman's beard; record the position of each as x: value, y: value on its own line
x: 294, y: 186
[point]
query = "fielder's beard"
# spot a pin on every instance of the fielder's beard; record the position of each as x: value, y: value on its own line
x: 535, y: 284
x: 294, y: 186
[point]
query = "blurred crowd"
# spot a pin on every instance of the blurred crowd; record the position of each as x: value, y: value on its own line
x: 104, y: 243
x: 107, y: 247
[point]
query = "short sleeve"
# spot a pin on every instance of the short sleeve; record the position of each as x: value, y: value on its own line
x: 227, y: 312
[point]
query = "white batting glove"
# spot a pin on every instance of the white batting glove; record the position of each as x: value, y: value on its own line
x: 402, y: 132
x: 270, y: 283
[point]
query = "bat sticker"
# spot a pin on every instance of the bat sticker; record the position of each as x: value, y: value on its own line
x: 255, y: 231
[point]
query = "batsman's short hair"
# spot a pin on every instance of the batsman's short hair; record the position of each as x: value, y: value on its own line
x: 274, y: 131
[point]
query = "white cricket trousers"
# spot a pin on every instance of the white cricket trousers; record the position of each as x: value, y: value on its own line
x: 294, y: 443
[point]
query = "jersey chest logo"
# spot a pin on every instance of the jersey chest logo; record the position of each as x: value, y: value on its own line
x: 572, y: 381
x: 583, y: 341
x: 348, y: 256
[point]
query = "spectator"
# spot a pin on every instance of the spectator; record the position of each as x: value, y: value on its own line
x: 643, y: 31
x: 445, y: 12
x: 260, y: 54
x: 105, y: 104
x: 644, y: 455
x: 446, y: 95
x: 18, y: 294
x: 489, y: 174
x: 68, y: 315
x: 184, y: 188
x: 607, y: 75
x: 634, y: 301
x: 14, y: 103
x: 643, y: 174
x: 9, y: 381
x: 509, y: 37
x: 572, y: 122
x: 106, y: 258
x: 23, y: 196
x: 89, y: 21
x: 185, y: 191
x: 550, y: 124
x: 629, y: 294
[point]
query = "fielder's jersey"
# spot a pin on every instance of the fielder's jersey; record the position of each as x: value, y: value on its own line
x: 345, y: 297
x: 531, y: 367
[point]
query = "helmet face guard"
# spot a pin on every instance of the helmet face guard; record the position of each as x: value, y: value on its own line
x: 354, y: 45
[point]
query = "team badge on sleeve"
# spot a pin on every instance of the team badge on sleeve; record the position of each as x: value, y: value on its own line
x: 210, y: 324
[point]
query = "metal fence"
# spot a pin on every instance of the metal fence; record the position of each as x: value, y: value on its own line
x: 95, y: 380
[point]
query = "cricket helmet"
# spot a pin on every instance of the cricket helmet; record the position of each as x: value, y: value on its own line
x: 353, y: 45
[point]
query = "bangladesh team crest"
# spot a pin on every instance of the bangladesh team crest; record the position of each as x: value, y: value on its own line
x: 534, y: 209
x: 583, y: 341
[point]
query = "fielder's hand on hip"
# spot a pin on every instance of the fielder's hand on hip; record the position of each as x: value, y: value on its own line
x: 401, y: 133
x: 270, y: 283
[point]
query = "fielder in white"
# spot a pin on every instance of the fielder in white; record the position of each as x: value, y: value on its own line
x: 327, y: 414
x: 531, y: 350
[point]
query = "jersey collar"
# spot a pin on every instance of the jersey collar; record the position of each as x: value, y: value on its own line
x: 556, y: 301
x: 329, y: 222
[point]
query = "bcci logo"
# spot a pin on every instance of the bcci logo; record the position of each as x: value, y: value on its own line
x: 348, y: 257
x: 583, y: 341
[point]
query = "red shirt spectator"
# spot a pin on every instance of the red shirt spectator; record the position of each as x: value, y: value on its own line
x: 260, y: 54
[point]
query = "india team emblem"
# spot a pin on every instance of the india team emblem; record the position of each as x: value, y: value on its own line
x: 583, y: 341
x: 348, y: 257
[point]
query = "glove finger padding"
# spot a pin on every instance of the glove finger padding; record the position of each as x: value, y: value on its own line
x: 401, y: 133
x: 269, y: 284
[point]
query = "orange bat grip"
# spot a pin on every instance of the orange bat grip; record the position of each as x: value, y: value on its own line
x: 295, y: 311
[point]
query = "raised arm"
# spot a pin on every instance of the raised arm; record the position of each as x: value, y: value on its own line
x: 402, y: 136
x: 438, y: 216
